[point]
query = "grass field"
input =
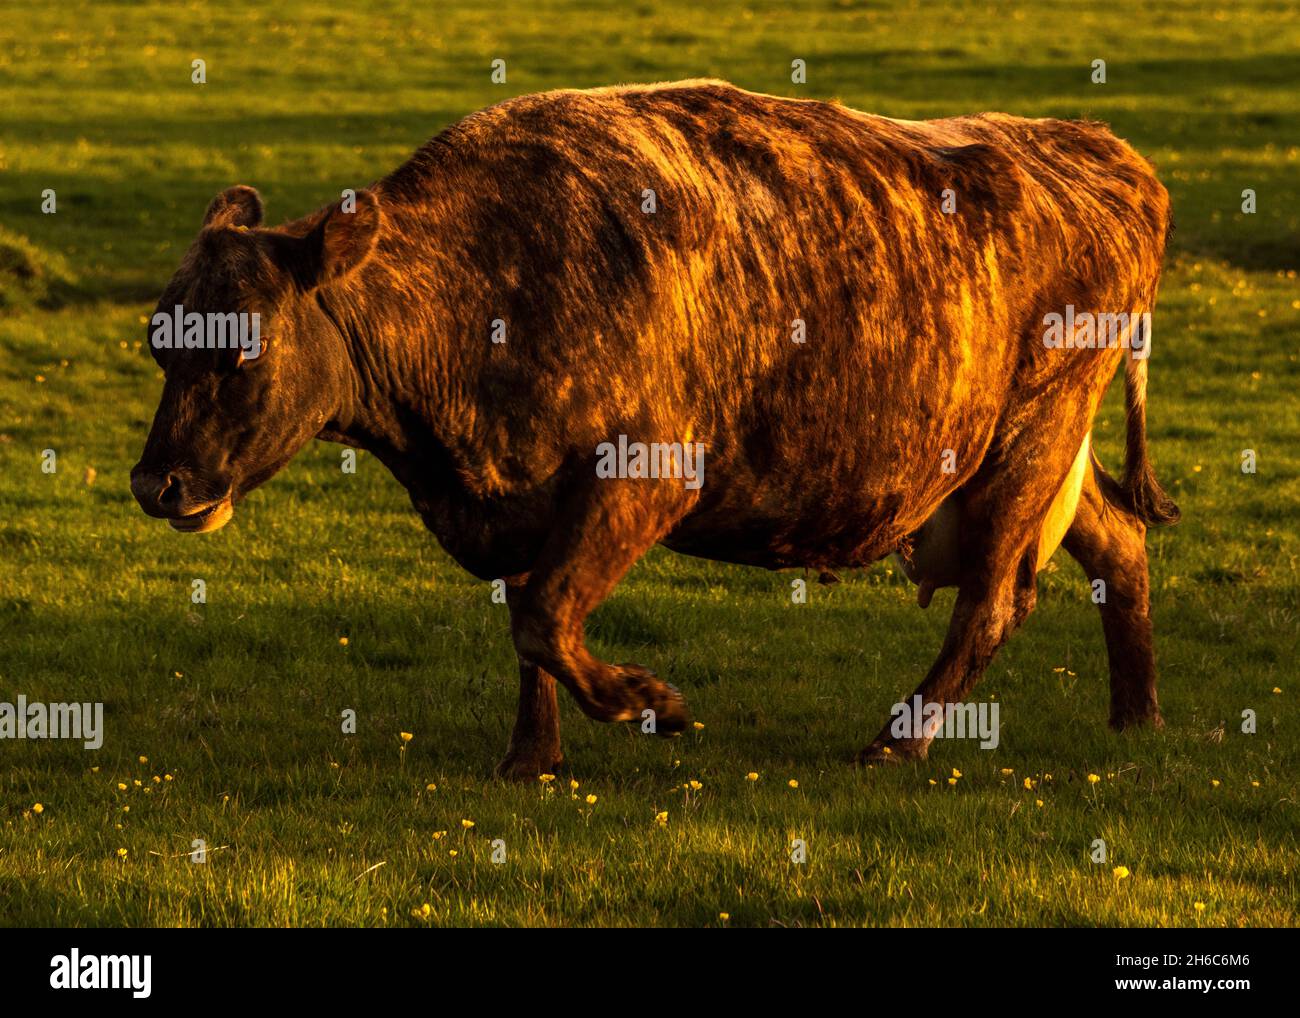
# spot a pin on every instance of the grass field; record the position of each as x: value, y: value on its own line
x: 236, y: 703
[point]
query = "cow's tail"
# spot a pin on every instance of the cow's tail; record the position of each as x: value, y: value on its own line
x: 1139, y: 492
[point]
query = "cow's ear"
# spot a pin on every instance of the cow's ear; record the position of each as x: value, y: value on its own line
x: 345, y: 238
x: 235, y: 206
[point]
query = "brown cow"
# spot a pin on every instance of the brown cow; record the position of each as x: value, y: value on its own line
x: 759, y: 330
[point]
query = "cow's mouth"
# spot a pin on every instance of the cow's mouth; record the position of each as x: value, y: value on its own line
x: 210, y: 518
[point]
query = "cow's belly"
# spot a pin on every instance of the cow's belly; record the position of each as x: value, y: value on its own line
x: 853, y: 534
x: 839, y: 497
x: 815, y: 507
x: 934, y: 560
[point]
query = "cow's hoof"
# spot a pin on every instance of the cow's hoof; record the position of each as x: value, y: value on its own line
x: 892, y: 753
x: 527, y: 765
x: 1136, y: 719
x: 671, y: 715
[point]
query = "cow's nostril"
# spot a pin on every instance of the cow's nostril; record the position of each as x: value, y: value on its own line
x: 169, y: 495
x: 158, y: 494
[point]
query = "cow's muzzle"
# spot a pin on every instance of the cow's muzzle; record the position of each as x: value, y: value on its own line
x: 167, y: 496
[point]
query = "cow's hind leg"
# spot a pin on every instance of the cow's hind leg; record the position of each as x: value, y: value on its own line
x: 535, y: 741
x: 604, y: 530
x: 997, y: 566
x: 1110, y: 544
x: 991, y: 604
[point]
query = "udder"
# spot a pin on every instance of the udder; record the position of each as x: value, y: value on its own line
x: 935, y: 555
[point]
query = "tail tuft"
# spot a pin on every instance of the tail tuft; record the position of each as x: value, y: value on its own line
x: 1148, y: 501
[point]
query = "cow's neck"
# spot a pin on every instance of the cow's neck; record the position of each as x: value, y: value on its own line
x: 398, y: 401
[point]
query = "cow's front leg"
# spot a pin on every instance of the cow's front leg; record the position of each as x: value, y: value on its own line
x: 535, y: 741
x: 606, y: 527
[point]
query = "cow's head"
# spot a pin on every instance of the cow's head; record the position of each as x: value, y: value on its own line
x: 230, y: 416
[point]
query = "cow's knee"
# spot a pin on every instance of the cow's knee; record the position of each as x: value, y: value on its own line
x: 603, y: 691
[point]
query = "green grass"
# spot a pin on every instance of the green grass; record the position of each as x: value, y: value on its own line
x: 239, y: 699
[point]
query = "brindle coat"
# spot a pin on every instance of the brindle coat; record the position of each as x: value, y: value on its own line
x: 923, y: 334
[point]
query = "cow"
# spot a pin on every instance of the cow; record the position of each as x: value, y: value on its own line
x: 841, y: 314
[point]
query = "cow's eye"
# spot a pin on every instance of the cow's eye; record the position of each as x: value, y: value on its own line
x: 243, y: 360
